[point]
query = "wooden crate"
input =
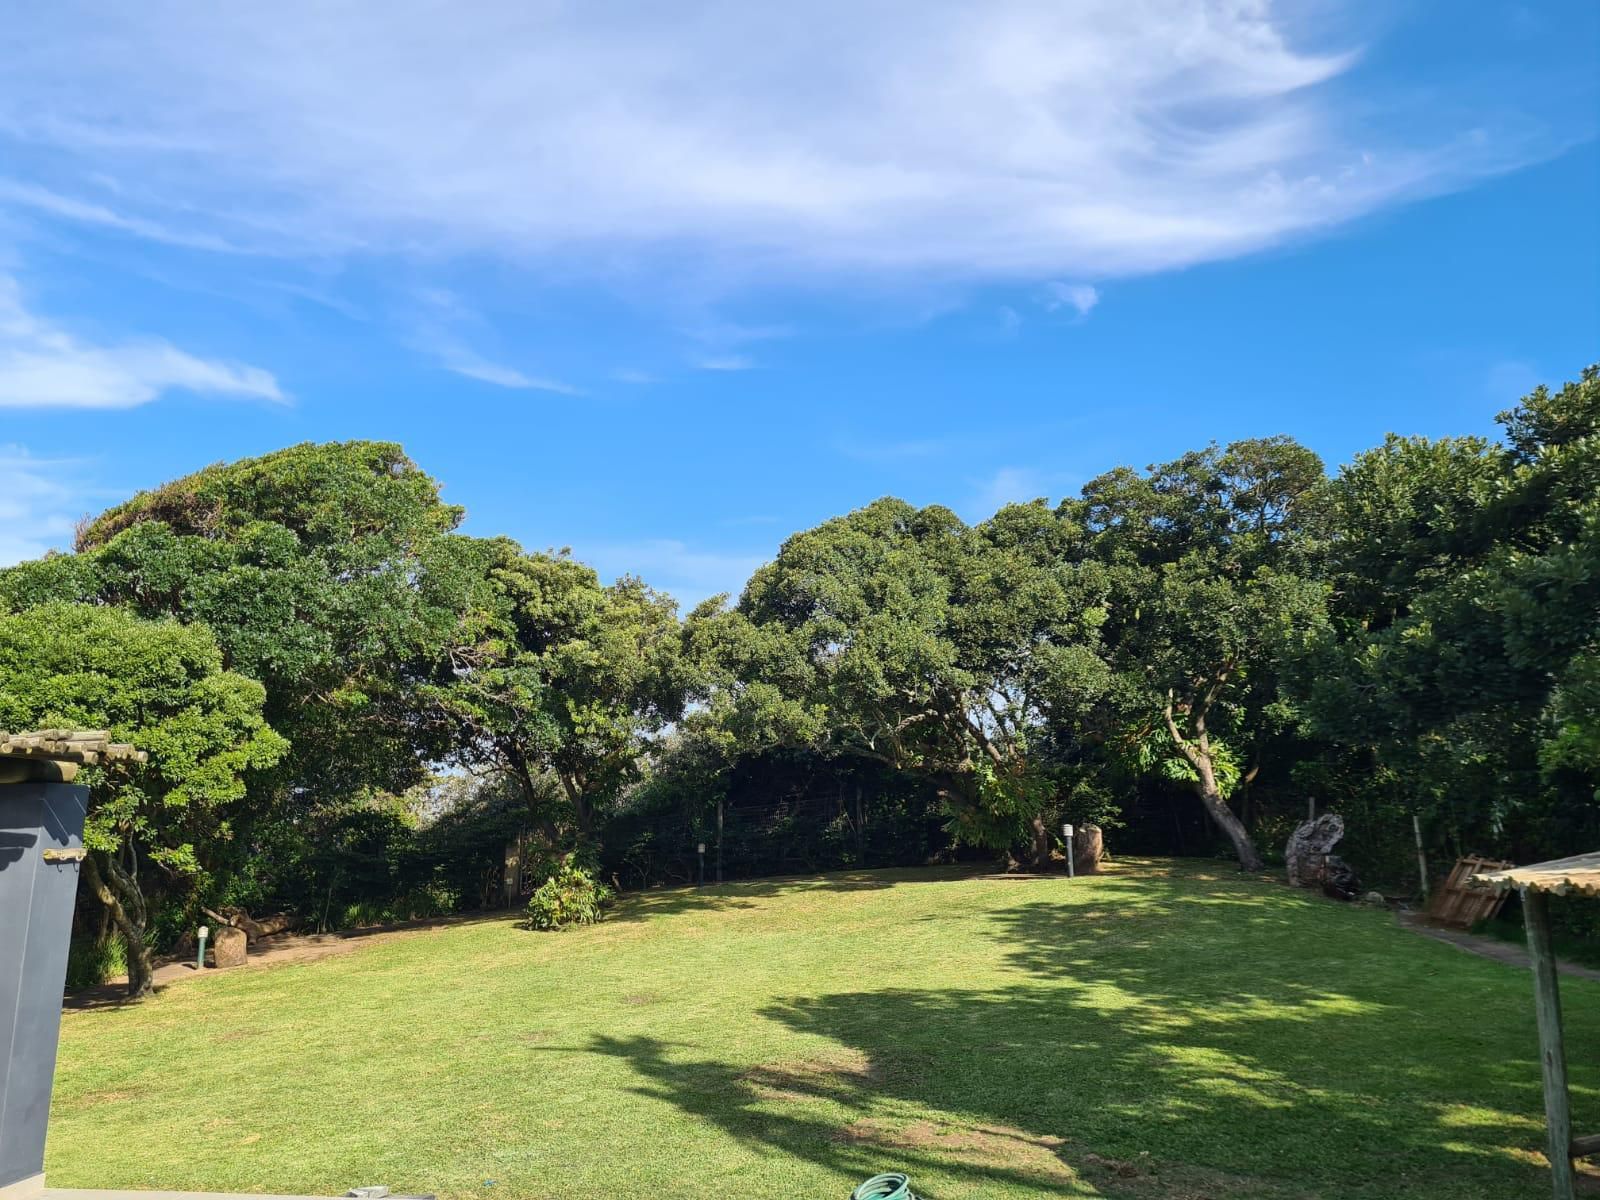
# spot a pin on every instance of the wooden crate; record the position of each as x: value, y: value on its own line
x: 1457, y: 904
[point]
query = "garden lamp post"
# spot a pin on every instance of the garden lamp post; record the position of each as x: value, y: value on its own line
x: 200, y: 954
x: 702, y: 850
x: 1066, y: 832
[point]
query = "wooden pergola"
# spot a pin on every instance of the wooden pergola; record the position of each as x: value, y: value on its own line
x: 1579, y: 876
x: 54, y: 755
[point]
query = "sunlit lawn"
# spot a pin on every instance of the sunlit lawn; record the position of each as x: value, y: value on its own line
x: 1167, y: 1030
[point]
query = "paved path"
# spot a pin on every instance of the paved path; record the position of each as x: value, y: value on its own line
x: 1486, y: 947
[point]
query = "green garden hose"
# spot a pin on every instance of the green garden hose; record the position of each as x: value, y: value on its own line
x: 891, y: 1186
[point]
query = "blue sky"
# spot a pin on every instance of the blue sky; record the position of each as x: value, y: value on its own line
x: 666, y: 283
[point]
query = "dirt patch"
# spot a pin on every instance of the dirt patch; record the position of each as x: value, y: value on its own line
x: 834, y: 1077
x: 1054, y: 1161
x: 638, y: 999
x: 237, y: 1035
x: 976, y: 1147
x: 1143, y: 1178
x: 90, y: 1099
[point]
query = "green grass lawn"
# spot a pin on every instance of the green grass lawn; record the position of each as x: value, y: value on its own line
x: 1165, y: 1030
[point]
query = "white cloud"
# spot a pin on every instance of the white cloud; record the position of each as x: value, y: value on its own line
x: 1019, y: 139
x: 1080, y: 297
x: 469, y: 365
x: 43, y: 366
x: 1008, y: 485
x: 441, y: 327
x: 725, y: 362
x: 631, y: 375
x: 27, y: 195
x: 36, y: 500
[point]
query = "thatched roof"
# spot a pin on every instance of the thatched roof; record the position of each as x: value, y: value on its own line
x: 1579, y: 874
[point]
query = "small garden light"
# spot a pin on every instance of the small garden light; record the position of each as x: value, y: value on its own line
x: 1066, y: 832
x: 200, y: 955
x: 702, y: 849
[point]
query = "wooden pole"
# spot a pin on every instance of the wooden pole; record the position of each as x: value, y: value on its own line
x: 1552, y: 1054
x: 1422, y: 858
x: 719, y: 839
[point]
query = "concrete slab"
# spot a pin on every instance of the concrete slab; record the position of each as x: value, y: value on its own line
x: 55, y: 1193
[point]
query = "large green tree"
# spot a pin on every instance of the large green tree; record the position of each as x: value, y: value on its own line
x: 328, y: 573
x: 560, y: 680
x: 901, y: 635
x: 161, y: 686
x: 1461, y: 672
x: 1212, y: 562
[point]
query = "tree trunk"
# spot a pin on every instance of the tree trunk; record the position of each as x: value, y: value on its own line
x: 1222, y: 817
x: 125, y: 903
x: 1041, y: 842
x: 1197, y: 752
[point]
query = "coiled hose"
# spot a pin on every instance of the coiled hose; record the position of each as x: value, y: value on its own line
x: 890, y: 1186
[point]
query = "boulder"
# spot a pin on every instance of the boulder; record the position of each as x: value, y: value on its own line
x: 230, y: 947
x: 1309, y: 847
x: 1088, y: 849
x: 1339, y: 878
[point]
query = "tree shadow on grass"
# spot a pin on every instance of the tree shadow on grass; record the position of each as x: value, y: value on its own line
x: 1164, y: 1037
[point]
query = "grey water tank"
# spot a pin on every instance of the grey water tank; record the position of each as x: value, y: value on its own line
x: 41, y: 840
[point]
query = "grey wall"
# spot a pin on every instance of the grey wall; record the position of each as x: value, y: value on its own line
x: 36, y: 899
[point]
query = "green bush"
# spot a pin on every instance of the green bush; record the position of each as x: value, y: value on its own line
x: 91, y: 962
x: 571, y: 896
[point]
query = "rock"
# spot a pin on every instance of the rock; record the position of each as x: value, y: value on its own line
x: 231, y: 947
x: 1088, y: 849
x: 1375, y: 898
x: 1339, y: 878
x: 1308, y: 849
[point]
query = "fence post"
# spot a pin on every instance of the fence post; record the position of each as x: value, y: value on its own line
x: 1422, y: 858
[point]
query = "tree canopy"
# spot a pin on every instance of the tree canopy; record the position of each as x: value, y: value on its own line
x: 161, y: 686
x: 349, y: 703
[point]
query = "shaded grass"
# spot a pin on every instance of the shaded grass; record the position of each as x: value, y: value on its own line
x: 1164, y: 1030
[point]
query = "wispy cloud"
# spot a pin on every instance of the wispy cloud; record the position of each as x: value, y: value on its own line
x: 1079, y: 297
x: 468, y: 365
x: 441, y: 328
x: 725, y: 362
x: 630, y: 375
x: 85, y: 212
x: 1008, y: 485
x: 43, y: 366
x: 1021, y: 139
x: 36, y: 501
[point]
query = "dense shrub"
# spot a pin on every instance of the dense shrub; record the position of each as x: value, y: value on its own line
x: 93, y: 961
x: 571, y: 896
